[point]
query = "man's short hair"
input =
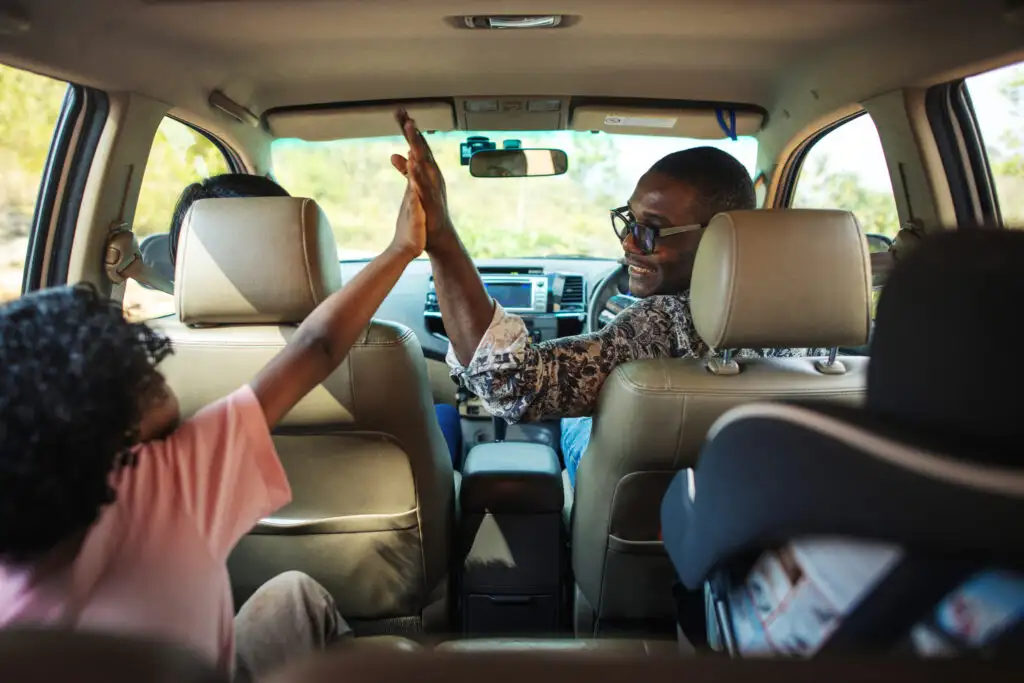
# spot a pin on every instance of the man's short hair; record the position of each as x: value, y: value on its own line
x: 223, y: 186
x: 722, y: 182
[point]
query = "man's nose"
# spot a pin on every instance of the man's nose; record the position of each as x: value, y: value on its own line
x: 629, y: 244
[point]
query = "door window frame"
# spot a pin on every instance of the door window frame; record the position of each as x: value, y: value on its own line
x: 795, y: 162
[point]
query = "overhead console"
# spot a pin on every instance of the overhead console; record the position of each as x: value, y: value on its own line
x: 541, y: 112
x: 616, y: 115
x: 551, y: 304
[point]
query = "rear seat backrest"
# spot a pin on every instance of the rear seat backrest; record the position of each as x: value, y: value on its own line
x: 369, y: 468
x: 762, y: 279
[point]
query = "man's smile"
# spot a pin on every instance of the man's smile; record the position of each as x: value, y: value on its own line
x: 640, y: 271
x: 637, y: 267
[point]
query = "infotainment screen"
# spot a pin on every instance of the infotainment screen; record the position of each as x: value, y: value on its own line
x: 511, y: 294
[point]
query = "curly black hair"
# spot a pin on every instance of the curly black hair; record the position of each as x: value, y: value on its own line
x: 75, y: 375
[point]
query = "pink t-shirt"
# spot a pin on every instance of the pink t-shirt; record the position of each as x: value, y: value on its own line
x: 155, y: 561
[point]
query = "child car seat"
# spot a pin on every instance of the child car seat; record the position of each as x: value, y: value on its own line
x: 899, y: 525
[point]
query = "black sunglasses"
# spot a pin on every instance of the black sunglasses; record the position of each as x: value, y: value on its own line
x: 623, y: 223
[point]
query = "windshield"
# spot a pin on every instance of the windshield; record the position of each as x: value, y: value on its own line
x: 566, y: 215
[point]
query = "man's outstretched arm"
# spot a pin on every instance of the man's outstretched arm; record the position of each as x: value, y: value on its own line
x: 466, y: 308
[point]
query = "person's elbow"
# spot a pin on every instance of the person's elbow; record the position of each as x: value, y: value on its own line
x: 317, y: 348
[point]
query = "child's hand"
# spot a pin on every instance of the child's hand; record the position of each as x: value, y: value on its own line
x: 411, y: 230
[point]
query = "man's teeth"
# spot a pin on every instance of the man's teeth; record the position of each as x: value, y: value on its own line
x: 637, y: 270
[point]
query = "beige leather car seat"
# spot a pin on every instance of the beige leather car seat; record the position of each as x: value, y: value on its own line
x: 368, y: 465
x: 761, y: 279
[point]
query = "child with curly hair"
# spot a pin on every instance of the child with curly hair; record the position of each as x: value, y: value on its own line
x: 115, y: 515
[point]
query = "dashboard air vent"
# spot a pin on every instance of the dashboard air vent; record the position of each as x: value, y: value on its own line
x: 572, y: 292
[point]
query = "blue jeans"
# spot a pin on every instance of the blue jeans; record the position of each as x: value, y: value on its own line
x: 451, y: 426
x: 575, y: 439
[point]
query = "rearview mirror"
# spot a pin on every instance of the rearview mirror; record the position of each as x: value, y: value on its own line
x: 877, y: 243
x: 518, y: 163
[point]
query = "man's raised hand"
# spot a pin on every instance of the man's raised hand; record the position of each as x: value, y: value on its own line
x: 425, y: 177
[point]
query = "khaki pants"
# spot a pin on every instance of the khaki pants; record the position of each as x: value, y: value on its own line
x: 287, y: 618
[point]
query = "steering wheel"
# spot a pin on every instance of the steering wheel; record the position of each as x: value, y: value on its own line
x: 602, y: 309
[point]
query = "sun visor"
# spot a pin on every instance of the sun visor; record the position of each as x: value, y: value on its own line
x: 704, y: 124
x: 326, y: 123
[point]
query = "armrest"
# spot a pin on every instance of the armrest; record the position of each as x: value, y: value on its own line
x: 392, y: 643
x: 511, y: 477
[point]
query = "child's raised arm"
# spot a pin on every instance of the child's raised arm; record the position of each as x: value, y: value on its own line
x: 325, y: 337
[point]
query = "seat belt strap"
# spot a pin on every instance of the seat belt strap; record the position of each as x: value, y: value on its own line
x: 906, y: 596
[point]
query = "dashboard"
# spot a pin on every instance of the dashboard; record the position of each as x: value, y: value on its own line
x: 550, y: 294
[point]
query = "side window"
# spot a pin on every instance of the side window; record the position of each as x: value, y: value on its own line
x: 998, y: 99
x: 180, y: 156
x: 846, y: 169
x: 29, y: 107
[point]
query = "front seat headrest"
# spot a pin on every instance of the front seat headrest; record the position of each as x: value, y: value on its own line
x: 782, y: 278
x: 264, y: 260
x: 953, y: 295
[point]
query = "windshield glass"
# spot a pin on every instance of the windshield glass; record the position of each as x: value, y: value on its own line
x: 566, y: 215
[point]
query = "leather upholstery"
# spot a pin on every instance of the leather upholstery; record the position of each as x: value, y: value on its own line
x: 779, y: 278
x: 653, y: 415
x: 59, y: 655
x: 254, y: 260
x: 511, y: 477
x: 545, y: 666
x: 369, y: 468
x: 387, y: 643
x: 567, y: 499
x: 581, y: 646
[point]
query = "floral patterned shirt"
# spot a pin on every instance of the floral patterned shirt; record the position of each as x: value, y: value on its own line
x: 523, y: 381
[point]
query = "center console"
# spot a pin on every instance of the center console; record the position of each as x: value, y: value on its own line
x: 512, y: 541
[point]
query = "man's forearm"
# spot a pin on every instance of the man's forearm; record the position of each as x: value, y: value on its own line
x: 466, y: 308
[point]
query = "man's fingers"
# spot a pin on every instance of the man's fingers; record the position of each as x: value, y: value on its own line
x: 419, y: 176
x: 400, y: 164
x: 408, y: 126
x: 417, y: 143
x: 402, y: 117
x: 416, y: 179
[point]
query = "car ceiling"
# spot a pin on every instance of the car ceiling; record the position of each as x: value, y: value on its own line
x: 792, y: 57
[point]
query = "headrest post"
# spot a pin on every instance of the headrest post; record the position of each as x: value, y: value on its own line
x: 724, y: 365
x: 831, y: 366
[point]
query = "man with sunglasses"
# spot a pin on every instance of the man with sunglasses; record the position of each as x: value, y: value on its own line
x: 491, y: 352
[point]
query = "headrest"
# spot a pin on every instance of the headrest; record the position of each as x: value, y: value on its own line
x: 782, y: 278
x: 263, y: 260
x: 953, y: 301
